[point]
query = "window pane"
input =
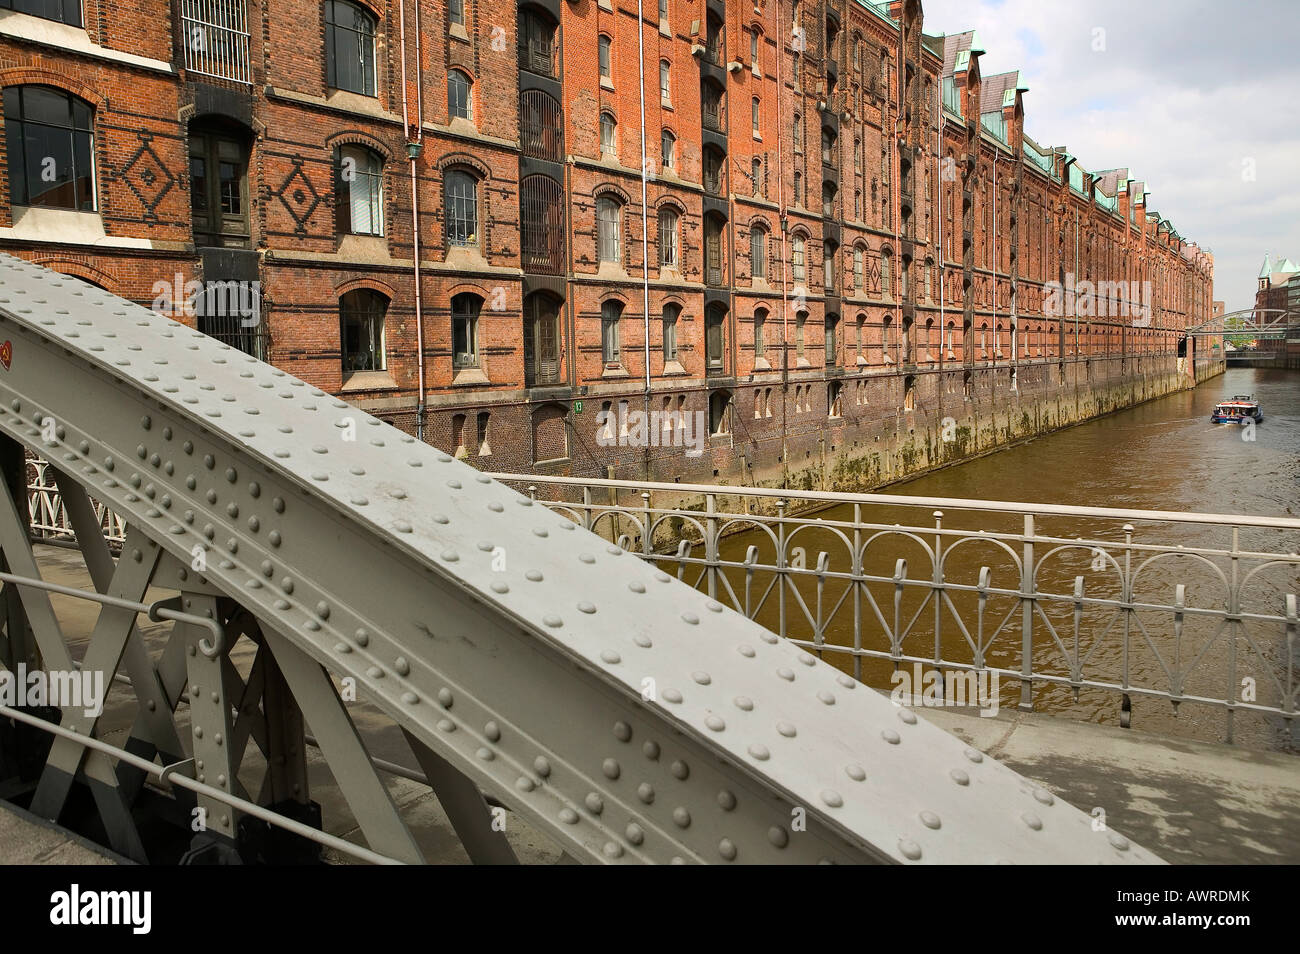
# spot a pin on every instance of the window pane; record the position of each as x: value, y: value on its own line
x: 458, y: 95
x: 461, y: 208
x: 361, y: 315
x: 349, y: 47
x: 607, y: 230
x: 464, y: 330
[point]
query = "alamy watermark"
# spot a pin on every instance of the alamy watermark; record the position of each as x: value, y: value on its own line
x: 63, y: 689
x: 1087, y: 299
x: 935, y: 689
x: 625, y: 428
x: 240, y: 300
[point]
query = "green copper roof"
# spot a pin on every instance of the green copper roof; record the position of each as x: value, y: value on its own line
x: 1264, y: 270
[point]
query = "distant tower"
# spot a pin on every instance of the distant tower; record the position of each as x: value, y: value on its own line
x: 1264, y: 273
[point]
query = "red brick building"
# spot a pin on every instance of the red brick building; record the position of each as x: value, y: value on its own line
x: 843, y: 238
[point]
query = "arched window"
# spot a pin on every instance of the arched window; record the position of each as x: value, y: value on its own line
x: 665, y: 82
x: 714, y: 165
x: 604, y: 46
x: 610, y: 313
x: 798, y: 132
x: 756, y: 174
x: 608, y: 145
x: 670, y: 315
x: 828, y: 147
x: 800, y: 320
x: 456, y: 12
x: 829, y: 252
x: 609, y: 216
x: 797, y: 249
x: 929, y: 280
x: 465, y: 309
x: 349, y: 47
x: 668, y: 236
x: 760, y: 325
x: 541, y: 215
x: 668, y: 149
x: 831, y: 326
x: 359, y: 198
x: 720, y: 412
x: 858, y: 259
x: 713, y: 105
x: 49, y: 137
x: 886, y: 276
x: 714, y: 242
x: 714, y: 334
x: 460, y: 102
x: 828, y: 200
x: 758, y: 252
x: 798, y: 188
x: 540, y: 126
x: 361, y: 330
x: 754, y: 109
x: 460, y: 196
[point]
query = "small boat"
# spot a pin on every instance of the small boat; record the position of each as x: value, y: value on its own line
x: 1237, y: 411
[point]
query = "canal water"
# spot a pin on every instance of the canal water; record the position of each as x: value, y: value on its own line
x: 1163, y: 455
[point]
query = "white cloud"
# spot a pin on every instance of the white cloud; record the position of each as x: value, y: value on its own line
x: 1188, y: 94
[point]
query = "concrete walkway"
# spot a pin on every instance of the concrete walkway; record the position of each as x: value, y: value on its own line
x: 28, y: 840
x: 1189, y: 802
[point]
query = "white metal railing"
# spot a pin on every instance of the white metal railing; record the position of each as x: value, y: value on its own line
x: 1121, y: 604
x: 215, y: 37
x: 49, y: 518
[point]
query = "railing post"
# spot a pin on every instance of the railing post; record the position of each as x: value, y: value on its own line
x: 1126, y: 596
x: 645, y: 524
x: 1027, y: 617
x: 586, y: 506
x: 711, y: 543
x: 857, y: 591
x: 936, y: 590
x: 780, y: 565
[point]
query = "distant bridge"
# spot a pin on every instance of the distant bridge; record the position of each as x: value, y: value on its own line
x: 1255, y: 322
x: 626, y: 715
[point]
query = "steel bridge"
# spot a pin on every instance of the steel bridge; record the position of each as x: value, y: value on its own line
x: 1257, y: 322
x: 531, y: 665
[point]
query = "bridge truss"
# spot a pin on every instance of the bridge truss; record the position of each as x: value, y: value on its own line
x: 1256, y: 322
x: 527, y: 662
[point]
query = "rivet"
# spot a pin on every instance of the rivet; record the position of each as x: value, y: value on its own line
x: 715, y: 722
x: 646, y: 792
x: 786, y: 674
x: 610, y: 657
x: 672, y: 695
x: 909, y: 849
x: 779, y: 837
x: 680, y: 770
x: 492, y: 732
x: 759, y: 752
x: 701, y: 677
x: 974, y: 756
x: 552, y: 621
x: 855, y: 771
x: 1032, y: 820
x: 650, y: 750
x: 907, y: 716
x: 890, y: 736
x: 622, y: 731
x: 1118, y: 841
x: 1044, y: 796
x: 929, y: 819
x: 727, y: 849
x: 786, y: 729
x: 568, y: 816
x: 595, y: 804
x: 610, y: 768
x: 634, y: 834
x: 744, y: 703
x: 747, y: 651
x: 681, y: 817
x: 542, y: 766
x: 826, y: 696
x: 444, y: 696
x: 960, y: 777
x: 726, y: 800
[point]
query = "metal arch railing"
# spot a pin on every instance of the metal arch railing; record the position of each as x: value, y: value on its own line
x: 851, y: 588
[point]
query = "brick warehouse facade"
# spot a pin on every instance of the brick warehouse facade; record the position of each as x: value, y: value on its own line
x: 850, y: 237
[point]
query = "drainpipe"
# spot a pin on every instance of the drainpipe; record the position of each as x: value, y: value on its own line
x: 645, y: 222
x: 414, y: 146
x: 939, y: 252
x: 782, y: 223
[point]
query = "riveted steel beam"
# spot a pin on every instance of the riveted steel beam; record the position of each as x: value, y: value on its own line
x: 629, y: 716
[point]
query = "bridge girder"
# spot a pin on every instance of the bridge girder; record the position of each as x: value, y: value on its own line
x: 628, y: 716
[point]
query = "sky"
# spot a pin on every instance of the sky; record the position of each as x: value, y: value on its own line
x: 1200, y: 100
